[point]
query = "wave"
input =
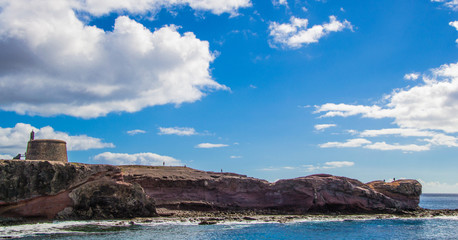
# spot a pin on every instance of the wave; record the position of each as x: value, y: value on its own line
x: 107, y: 226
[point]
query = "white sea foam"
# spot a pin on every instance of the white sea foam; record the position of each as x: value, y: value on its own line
x: 56, y: 227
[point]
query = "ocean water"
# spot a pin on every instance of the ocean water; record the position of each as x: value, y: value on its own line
x: 439, y: 201
x: 395, y: 228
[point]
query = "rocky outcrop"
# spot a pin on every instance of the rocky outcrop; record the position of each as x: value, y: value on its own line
x: 189, y: 189
x: 50, y: 190
x: 58, y: 190
x: 406, y: 191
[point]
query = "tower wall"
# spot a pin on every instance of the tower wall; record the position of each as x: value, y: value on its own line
x: 47, y: 149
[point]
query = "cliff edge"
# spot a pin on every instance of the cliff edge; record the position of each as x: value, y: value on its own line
x: 58, y: 190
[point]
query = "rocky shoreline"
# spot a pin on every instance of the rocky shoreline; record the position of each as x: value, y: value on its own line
x: 43, y: 190
x: 247, y: 217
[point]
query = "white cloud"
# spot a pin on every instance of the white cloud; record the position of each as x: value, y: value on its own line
x: 211, y: 145
x: 408, y: 148
x: 345, y: 110
x: 432, y: 105
x: 311, y: 168
x: 361, y: 142
x: 296, y: 33
x: 433, y: 137
x: 280, y: 2
x: 98, y: 7
x: 453, y: 4
x: 53, y: 63
x: 411, y: 76
x: 404, y: 132
x: 136, y: 159
x: 356, y: 142
x: 323, y: 126
x: 455, y: 25
x: 135, y: 132
x: 289, y: 168
x: 338, y: 164
x: 180, y: 131
x: 351, y: 131
x: 438, y: 187
x: 14, y: 140
x: 423, y: 112
x: 234, y: 157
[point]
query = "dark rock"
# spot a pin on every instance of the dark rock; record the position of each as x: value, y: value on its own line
x: 207, y: 222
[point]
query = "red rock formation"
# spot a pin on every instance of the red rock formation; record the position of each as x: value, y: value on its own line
x: 185, y: 188
x: 57, y: 190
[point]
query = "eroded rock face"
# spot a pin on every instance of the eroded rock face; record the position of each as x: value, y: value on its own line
x: 42, y: 189
x: 185, y: 188
x: 406, y: 191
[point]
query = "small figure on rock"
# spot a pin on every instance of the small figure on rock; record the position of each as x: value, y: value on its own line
x: 163, y: 163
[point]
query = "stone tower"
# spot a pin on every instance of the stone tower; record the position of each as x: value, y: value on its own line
x: 46, y: 149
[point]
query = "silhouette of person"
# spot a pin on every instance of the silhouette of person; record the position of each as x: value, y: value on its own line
x: 32, y: 135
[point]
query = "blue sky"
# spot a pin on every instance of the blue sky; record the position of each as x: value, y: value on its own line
x: 270, y: 89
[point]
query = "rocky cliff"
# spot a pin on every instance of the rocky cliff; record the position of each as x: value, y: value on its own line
x: 56, y: 190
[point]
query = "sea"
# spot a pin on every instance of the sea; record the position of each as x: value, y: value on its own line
x: 372, y: 228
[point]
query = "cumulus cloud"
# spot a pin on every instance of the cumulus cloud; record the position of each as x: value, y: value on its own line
x: 430, y: 105
x: 14, y: 140
x: 296, y: 33
x: 411, y: 76
x: 53, y: 63
x: 180, y: 131
x: 136, y: 159
x: 135, y: 132
x: 438, y: 187
x: 319, y: 127
x: 356, y: 142
x: 426, y: 112
x: 234, y: 157
x: 210, y: 145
